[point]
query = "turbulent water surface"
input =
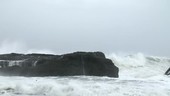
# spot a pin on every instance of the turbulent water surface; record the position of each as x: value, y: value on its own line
x: 139, y: 76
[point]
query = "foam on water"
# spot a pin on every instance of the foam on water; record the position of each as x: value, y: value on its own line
x: 140, y: 66
x: 139, y: 76
x: 81, y: 86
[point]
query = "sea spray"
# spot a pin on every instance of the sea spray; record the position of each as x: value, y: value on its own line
x: 140, y: 66
x: 140, y: 75
x: 81, y: 86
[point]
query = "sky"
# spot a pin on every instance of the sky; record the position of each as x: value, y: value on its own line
x: 62, y: 26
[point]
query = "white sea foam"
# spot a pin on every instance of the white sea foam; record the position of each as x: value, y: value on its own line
x: 81, y: 86
x: 140, y: 66
x: 140, y: 75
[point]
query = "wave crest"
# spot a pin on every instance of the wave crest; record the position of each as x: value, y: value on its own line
x: 140, y: 66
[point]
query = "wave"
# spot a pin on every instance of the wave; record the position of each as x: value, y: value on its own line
x: 140, y: 75
x: 140, y: 66
x: 81, y: 86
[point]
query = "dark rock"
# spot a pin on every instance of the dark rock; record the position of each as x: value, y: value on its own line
x: 167, y: 72
x: 78, y: 63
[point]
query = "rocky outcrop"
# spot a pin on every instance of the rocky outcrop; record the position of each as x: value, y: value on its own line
x: 78, y: 63
x: 167, y: 72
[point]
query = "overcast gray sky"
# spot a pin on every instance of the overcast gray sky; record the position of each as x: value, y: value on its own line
x: 62, y: 26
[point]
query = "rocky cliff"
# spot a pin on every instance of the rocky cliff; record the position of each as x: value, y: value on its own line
x: 78, y: 63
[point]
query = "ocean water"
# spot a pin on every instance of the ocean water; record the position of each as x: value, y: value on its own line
x: 139, y: 76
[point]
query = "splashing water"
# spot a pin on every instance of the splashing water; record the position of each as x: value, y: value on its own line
x: 140, y: 75
x: 140, y: 66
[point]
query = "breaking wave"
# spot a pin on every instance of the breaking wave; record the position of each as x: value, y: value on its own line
x: 140, y: 75
x: 140, y: 66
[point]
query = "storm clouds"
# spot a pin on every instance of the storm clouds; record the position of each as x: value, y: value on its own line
x: 61, y: 26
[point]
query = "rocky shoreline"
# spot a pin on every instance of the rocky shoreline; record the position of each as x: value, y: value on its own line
x: 72, y: 64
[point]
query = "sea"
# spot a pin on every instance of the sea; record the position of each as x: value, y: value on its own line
x: 139, y: 75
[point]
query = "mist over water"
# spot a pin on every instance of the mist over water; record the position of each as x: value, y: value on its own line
x: 140, y: 66
x: 57, y: 26
x: 9, y: 46
x: 139, y: 75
